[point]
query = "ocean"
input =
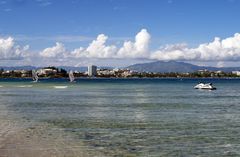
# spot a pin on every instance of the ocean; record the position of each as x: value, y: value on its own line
x: 119, y: 117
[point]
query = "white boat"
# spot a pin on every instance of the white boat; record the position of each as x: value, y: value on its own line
x: 207, y: 86
x: 34, y: 76
x: 71, y: 76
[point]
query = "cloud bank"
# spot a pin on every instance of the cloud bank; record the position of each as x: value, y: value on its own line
x: 227, y: 49
x: 96, y: 49
x: 218, y: 50
x: 9, y: 50
x: 130, y: 49
x: 56, y: 51
x: 138, y: 48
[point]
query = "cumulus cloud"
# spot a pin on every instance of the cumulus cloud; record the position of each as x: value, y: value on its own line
x: 54, y: 52
x: 98, y: 48
x: 219, y: 50
x: 8, y: 49
x: 137, y: 49
x: 174, y: 52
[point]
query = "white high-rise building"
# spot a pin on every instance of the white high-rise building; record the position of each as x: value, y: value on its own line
x: 92, y: 70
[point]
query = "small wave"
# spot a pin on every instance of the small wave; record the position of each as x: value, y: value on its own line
x: 1, y: 86
x: 60, y: 87
x: 25, y: 86
x: 227, y: 145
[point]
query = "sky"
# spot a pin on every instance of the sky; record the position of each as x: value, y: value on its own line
x: 119, y: 32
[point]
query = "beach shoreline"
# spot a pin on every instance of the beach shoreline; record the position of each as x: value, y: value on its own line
x: 39, y: 141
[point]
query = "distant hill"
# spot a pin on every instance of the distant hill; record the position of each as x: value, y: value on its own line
x: 18, y: 68
x: 68, y: 68
x: 173, y: 66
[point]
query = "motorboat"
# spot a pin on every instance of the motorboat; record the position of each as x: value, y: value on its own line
x: 207, y: 86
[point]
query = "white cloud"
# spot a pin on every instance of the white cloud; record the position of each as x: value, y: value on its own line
x: 56, y: 51
x: 137, y: 49
x: 98, y: 48
x: 174, y: 52
x: 218, y: 50
x: 8, y: 49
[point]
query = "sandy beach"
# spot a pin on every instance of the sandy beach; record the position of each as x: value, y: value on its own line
x: 22, y: 138
x: 39, y: 141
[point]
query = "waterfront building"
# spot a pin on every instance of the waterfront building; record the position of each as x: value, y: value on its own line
x: 92, y: 70
x: 46, y: 71
x: 236, y: 73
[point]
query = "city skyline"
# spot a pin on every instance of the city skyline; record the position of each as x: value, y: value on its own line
x: 118, y: 33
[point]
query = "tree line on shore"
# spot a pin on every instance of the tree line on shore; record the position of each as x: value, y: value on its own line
x: 53, y: 72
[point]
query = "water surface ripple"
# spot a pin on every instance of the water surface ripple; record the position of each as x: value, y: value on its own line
x: 119, y: 117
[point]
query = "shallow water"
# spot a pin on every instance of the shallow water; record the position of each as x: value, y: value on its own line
x: 119, y: 117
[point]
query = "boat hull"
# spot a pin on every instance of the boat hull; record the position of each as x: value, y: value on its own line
x: 207, y: 86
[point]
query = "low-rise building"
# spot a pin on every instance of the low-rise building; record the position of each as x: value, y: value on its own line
x: 236, y: 73
x: 105, y: 72
x: 46, y: 71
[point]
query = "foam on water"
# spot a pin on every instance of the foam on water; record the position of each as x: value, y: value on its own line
x: 60, y: 87
x: 25, y: 86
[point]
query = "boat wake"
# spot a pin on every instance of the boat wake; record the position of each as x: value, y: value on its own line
x: 60, y: 87
x: 25, y: 86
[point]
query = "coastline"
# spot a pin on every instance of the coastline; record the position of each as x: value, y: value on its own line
x: 52, y: 78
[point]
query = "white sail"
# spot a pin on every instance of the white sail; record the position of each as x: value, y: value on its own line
x: 34, y: 76
x: 71, y: 76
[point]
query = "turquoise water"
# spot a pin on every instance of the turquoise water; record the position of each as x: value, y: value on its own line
x: 122, y: 117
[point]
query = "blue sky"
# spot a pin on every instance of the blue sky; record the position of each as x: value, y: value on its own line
x: 76, y: 23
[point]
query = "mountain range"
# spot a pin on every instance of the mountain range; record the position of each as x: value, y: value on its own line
x: 173, y: 66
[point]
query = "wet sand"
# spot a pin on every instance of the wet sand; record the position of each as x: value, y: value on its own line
x: 21, y: 137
